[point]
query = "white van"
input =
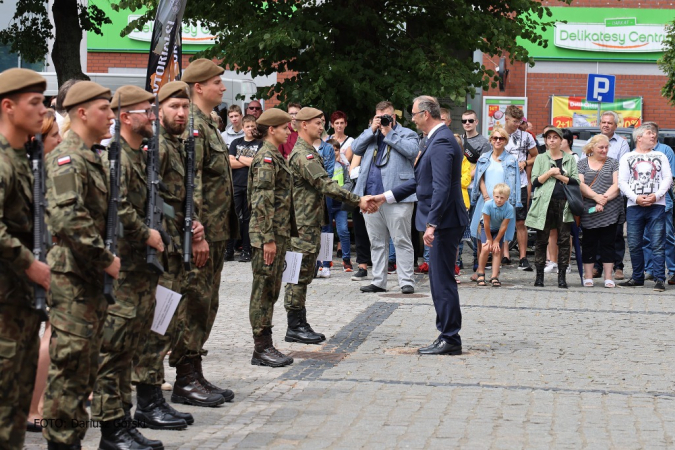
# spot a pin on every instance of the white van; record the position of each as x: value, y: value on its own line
x: 247, y: 88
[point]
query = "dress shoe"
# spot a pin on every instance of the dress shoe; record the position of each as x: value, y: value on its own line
x: 407, y: 289
x: 442, y: 347
x: 632, y: 283
x: 618, y: 274
x: 188, y: 390
x: 117, y: 437
x: 150, y: 412
x: 264, y: 353
x: 372, y: 288
x: 227, y: 394
x: 429, y: 347
x: 300, y: 331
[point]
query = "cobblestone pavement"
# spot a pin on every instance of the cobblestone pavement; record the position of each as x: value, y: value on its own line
x: 542, y: 368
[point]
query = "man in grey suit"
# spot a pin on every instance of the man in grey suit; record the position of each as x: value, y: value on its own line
x: 388, y: 153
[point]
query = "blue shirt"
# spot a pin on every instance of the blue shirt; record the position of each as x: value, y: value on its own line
x: 374, y: 184
x: 498, y: 213
x: 666, y: 150
x: 328, y: 155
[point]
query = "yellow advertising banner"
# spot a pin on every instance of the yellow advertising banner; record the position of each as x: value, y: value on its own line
x: 569, y: 112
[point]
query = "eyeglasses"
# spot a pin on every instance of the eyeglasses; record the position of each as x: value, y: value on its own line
x: 418, y: 112
x: 515, y: 120
x: 498, y: 138
x: 468, y: 120
x: 147, y: 112
x: 255, y: 108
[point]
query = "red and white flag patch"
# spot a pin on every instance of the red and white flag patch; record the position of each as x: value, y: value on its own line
x: 63, y: 160
x: 195, y: 133
x: 267, y: 159
x: 310, y: 156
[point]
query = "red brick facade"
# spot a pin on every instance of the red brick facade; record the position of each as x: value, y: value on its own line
x: 541, y: 86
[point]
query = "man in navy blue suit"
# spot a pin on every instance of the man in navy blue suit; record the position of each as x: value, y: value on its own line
x: 441, y: 215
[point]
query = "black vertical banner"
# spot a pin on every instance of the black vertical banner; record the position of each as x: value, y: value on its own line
x: 165, y: 58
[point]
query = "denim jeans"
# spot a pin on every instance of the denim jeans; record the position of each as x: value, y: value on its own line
x: 426, y: 254
x: 670, y: 247
x: 392, y: 251
x: 649, y: 220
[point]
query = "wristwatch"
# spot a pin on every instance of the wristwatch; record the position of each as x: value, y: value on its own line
x: 431, y: 225
x: 237, y: 157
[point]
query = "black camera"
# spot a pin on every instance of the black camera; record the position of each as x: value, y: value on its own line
x: 386, y: 120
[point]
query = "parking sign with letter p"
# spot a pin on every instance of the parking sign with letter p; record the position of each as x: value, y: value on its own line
x: 600, y: 88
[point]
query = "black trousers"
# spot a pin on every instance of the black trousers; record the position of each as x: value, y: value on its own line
x: 361, y: 239
x: 599, y: 241
x: 619, y: 250
x: 244, y: 215
x: 443, y: 285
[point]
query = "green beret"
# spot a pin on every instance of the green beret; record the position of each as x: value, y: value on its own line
x: 131, y: 95
x: 274, y: 117
x: 21, y: 80
x: 555, y: 130
x: 308, y: 113
x: 85, y: 91
x: 174, y: 89
x: 201, y: 70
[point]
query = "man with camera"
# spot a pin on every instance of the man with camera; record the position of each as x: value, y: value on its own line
x: 388, y: 152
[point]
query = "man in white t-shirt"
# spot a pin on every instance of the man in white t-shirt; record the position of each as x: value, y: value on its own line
x: 524, y: 148
x: 644, y: 178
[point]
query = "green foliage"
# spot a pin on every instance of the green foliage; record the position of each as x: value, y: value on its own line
x: 350, y: 54
x: 667, y: 63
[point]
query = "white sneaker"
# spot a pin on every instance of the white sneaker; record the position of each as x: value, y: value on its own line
x: 324, y: 272
x: 551, y: 267
x: 569, y: 269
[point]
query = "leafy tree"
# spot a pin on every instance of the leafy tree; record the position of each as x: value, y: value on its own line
x: 667, y: 63
x: 350, y: 54
x: 29, y: 30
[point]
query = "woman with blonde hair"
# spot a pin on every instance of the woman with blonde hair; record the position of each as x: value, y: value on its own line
x: 603, y: 207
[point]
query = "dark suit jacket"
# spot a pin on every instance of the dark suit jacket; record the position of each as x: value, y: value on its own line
x: 437, y: 182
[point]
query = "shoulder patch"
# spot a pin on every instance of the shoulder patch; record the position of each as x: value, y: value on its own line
x: 195, y: 133
x: 310, y: 156
x: 267, y: 159
x: 63, y: 160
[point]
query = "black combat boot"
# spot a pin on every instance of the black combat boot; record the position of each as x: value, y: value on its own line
x: 298, y: 331
x: 227, y: 394
x: 116, y: 436
x: 138, y: 437
x: 309, y: 327
x: 150, y: 412
x: 264, y: 353
x: 539, y: 280
x: 189, y: 390
x: 562, y: 272
x: 167, y: 408
x: 56, y: 446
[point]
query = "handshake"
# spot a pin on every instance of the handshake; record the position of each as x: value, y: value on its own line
x: 371, y: 203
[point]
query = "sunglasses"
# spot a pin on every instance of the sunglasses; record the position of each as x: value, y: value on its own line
x: 498, y: 138
x: 468, y: 120
x: 255, y: 108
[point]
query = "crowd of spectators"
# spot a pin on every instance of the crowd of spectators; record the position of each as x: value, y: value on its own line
x: 513, y: 187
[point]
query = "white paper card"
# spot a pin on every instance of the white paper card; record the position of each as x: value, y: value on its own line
x: 292, y: 265
x: 167, y: 302
x: 326, y: 252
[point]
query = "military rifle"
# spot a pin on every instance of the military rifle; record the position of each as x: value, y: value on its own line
x: 112, y: 224
x: 41, y: 237
x: 155, y: 204
x: 189, y: 190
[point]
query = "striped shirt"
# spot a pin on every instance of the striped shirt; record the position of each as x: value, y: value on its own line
x: 605, y: 179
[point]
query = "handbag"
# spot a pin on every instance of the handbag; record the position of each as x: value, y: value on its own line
x: 574, y: 199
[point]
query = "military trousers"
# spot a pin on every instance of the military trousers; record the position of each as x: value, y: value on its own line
x: 128, y: 324
x: 19, y: 348
x: 308, y: 243
x: 149, y: 361
x: 266, y: 286
x: 199, y: 306
x: 77, y: 314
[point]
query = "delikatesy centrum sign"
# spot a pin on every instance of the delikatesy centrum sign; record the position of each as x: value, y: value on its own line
x: 614, y: 35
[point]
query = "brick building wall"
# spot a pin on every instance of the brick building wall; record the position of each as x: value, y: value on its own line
x: 540, y: 86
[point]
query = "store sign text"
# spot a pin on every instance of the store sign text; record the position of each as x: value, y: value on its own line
x: 615, y: 35
x: 196, y: 35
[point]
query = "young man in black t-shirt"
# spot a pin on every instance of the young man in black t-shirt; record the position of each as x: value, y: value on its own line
x: 242, y: 151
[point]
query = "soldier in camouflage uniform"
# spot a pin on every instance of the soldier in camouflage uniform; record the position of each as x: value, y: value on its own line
x: 269, y: 196
x: 311, y: 183
x: 174, y: 107
x: 77, y: 197
x: 130, y: 318
x: 21, y: 91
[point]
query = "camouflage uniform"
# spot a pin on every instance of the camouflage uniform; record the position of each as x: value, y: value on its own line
x: 129, y: 319
x: 214, y: 204
x: 269, y: 196
x: 77, y: 196
x: 19, y: 324
x: 310, y: 184
x: 149, y: 368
